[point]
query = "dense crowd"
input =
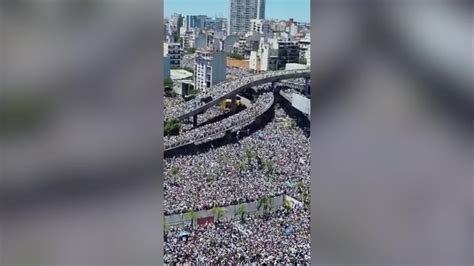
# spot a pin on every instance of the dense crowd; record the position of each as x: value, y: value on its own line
x: 237, y: 72
x: 283, y: 238
x: 298, y: 84
x: 270, y: 162
x: 237, y: 120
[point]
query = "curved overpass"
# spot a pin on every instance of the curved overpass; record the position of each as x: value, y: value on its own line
x: 217, y: 132
x: 229, y: 89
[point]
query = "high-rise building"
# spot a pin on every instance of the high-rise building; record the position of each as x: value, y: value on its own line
x: 242, y: 11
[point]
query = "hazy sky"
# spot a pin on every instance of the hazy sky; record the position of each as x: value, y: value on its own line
x: 281, y: 9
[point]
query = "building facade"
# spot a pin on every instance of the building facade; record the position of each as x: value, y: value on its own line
x: 259, y: 26
x: 288, y: 52
x: 242, y: 11
x: 209, y: 69
x: 166, y: 66
x: 175, y: 53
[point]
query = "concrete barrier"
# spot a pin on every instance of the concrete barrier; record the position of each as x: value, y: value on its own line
x: 230, y: 212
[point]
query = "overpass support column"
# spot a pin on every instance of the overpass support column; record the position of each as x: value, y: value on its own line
x: 306, y: 86
x: 233, y: 105
x: 273, y: 85
x: 195, y: 120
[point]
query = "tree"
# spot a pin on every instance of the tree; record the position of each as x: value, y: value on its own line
x: 302, y: 61
x: 193, y: 92
x: 191, y: 50
x: 286, y: 203
x: 191, y: 215
x: 218, y: 213
x: 236, y: 56
x: 250, y: 153
x: 172, y: 127
x: 168, y: 82
x: 174, y: 170
x: 300, y: 186
x: 269, y: 165
x: 304, y: 191
x: 241, y: 211
x: 264, y: 203
x: 241, y: 165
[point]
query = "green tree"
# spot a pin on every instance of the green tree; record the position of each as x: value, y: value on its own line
x: 241, y: 211
x: 174, y: 170
x: 269, y: 166
x: 250, y: 154
x: 191, y: 215
x: 264, y: 203
x: 302, y: 61
x: 300, y: 186
x: 193, y: 92
x: 191, y: 50
x: 286, y: 203
x: 236, y: 56
x: 168, y: 82
x: 172, y: 127
x: 218, y: 213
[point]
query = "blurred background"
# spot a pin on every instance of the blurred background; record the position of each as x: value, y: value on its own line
x: 392, y: 146
x: 81, y: 109
x: 81, y: 149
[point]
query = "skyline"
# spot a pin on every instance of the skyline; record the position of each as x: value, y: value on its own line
x: 275, y: 9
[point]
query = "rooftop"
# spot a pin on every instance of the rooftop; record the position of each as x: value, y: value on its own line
x: 178, y: 74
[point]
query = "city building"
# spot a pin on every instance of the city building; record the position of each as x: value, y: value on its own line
x: 194, y: 21
x: 188, y: 40
x: 288, y: 52
x: 200, y: 41
x: 175, y: 23
x: 242, y: 11
x: 166, y: 66
x: 305, y: 47
x: 268, y: 58
x: 209, y: 69
x: 174, y: 51
x: 254, y: 61
x: 259, y: 26
x: 228, y: 43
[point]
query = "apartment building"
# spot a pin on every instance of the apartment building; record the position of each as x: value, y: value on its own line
x: 209, y: 69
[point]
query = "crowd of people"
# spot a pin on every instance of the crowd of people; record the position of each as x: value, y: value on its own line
x: 282, y: 238
x: 237, y: 72
x: 297, y: 84
x: 270, y: 162
x: 237, y: 120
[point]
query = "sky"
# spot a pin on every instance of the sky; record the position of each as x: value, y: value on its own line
x: 280, y: 9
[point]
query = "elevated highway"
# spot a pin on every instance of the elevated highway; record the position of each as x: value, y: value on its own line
x: 229, y: 89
